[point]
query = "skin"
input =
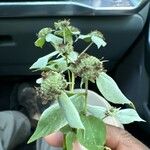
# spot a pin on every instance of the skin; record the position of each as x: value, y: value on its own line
x: 117, y: 139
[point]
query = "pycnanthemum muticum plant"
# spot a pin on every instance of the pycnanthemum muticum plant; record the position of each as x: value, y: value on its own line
x: 71, y: 114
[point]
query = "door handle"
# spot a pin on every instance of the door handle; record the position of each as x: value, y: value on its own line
x: 6, y: 40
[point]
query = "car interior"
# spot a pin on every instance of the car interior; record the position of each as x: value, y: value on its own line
x: 126, y: 28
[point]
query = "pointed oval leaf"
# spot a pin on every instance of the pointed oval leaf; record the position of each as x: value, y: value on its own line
x: 58, y: 65
x: 70, y: 111
x: 74, y: 30
x: 39, y: 42
x: 67, y: 36
x: 51, y: 120
x: 94, y: 133
x: 126, y: 116
x: 98, y: 41
x: 110, y: 90
x: 86, y: 38
x: 42, y: 62
x: 97, y: 111
x: 78, y: 101
x: 54, y: 39
x: 73, y: 56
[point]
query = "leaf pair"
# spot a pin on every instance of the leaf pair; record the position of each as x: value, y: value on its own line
x: 96, y: 39
x: 48, y: 38
x: 54, y: 117
x: 124, y: 116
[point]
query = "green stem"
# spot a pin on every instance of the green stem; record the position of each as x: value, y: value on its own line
x: 69, y: 78
x: 73, y: 82
x: 69, y: 75
x: 86, y: 49
x: 64, y: 143
x: 86, y: 96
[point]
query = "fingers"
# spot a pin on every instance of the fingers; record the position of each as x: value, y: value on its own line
x: 55, y: 139
x: 78, y: 146
x: 119, y: 139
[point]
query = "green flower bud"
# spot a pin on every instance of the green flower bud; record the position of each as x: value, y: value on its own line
x: 87, y: 67
x: 64, y: 49
x: 52, y: 85
x: 61, y: 24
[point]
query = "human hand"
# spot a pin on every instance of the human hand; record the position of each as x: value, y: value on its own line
x: 117, y: 139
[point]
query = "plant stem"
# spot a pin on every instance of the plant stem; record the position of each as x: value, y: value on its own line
x: 73, y: 82
x: 86, y: 96
x: 69, y: 77
x: 64, y: 143
x: 86, y: 49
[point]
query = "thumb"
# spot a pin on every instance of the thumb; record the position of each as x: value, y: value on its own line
x: 78, y: 146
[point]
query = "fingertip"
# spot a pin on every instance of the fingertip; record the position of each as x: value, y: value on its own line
x: 55, y: 139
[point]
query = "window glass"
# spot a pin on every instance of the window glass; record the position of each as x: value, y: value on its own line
x: 93, y: 3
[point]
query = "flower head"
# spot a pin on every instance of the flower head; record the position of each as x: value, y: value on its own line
x: 87, y: 67
x: 52, y: 85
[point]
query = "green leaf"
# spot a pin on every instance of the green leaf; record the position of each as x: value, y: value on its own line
x: 51, y: 120
x: 74, y: 30
x: 67, y: 35
x: 39, y: 42
x: 97, y: 111
x: 86, y: 38
x: 94, y: 133
x: 70, y: 138
x: 70, y: 111
x: 66, y: 129
x: 58, y: 65
x: 54, y: 39
x: 73, y: 56
x: 110, y: 90
x: 98, y: 41
x: 126, y: 116
x: 42, y: 62
x: 78, y: 101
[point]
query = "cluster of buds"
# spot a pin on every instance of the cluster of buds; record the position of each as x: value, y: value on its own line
x: 51, y: 86
x: 87, y: 67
